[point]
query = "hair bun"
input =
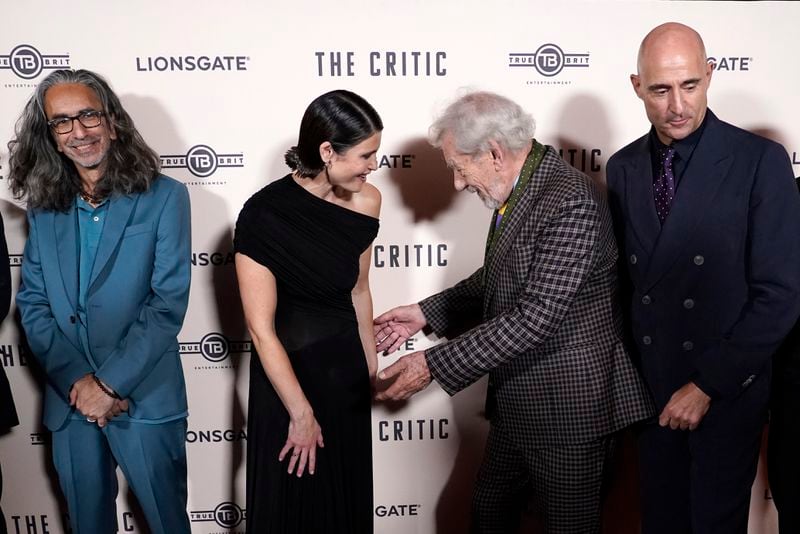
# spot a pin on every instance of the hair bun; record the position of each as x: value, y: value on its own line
x: 292, y: 158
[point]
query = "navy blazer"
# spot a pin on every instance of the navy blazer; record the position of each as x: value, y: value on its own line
x: 714, y: 291
x: 137, y: 297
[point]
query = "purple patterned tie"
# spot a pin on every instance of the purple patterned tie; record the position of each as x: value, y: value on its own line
x: 664, y: 184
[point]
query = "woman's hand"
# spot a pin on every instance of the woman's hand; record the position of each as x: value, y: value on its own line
x: 305, y: 435
x: 372, y: 367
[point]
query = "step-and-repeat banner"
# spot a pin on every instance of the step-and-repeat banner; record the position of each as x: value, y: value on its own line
x: 218, y: 89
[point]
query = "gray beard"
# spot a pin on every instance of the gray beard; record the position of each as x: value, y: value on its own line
x: 489, y: 202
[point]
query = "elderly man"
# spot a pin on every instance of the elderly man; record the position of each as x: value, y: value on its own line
x: 105, y: 284
x: 560, y: 382
x: 707, y: 216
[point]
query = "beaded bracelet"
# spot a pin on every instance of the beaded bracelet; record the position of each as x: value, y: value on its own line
x: 103, y: 387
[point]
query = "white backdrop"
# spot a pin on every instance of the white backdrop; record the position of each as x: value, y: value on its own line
x: 218, y: 89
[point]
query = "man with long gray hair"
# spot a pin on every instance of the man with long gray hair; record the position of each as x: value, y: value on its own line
x: 105, y: 284
x: 560, y: 382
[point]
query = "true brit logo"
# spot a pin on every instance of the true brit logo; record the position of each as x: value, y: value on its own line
x: 27, y: 62
x: 548, y: 60
x: 226, y: 515
x: 202, y: 161
x: 215, y: 347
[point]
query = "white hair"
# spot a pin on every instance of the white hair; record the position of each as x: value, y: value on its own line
x: 479, y: 117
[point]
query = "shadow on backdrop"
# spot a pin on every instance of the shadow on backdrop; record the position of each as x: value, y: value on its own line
x: 428, y: 190
x: 231, y: 320
x: 428, y: 193
x: 583, y: 113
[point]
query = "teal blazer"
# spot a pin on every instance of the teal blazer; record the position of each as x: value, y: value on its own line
x: 136, y: 301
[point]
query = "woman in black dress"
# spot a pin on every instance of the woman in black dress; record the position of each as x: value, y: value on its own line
x: 302, y: 258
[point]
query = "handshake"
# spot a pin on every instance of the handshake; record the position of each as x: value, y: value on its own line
x: 410, y: 373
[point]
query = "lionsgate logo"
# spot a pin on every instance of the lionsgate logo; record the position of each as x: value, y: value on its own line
x: 396, y: 161
x: 216, y: 435
x: 212, y: 259
x: 27, y: 62
x: 397, y: 510
x: 202, y: 161
x: 225, y: 515
x: 214, y: 347
x: 548, y: 60
x: 191, y: 63
x: 730, y: 63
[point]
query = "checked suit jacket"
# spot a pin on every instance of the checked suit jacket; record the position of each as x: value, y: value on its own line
x: 550, y: 337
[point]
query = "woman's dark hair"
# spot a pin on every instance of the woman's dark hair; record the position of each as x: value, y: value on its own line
x: 341, y: 117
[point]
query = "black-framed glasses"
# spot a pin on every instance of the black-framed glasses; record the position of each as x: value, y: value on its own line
x: 88, y: 119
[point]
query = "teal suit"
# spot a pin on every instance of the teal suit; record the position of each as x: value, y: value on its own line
x: 136, y: 300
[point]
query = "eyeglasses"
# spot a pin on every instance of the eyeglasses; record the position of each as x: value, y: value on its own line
x: 88, y: 119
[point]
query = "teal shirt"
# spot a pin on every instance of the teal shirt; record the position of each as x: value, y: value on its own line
x: 90, y: 229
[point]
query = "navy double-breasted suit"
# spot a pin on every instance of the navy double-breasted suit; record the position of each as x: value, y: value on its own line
x: 711, y: 294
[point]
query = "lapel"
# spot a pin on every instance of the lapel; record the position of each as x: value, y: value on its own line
x: 642, y: 207
x: 119, y: 212
x: 518, y: 218
x: 705, y: 174
x: 65, y: 231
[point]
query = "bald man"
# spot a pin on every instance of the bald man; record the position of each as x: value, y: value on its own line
x: 706, y: 215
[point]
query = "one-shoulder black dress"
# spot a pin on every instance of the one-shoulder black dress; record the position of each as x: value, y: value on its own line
x: 312, y: 247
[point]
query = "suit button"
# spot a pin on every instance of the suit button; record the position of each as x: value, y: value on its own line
x: 72, y: 319
x: 633, y: 259
x: 699, y: 260
x: 688, y: 304
x: 687, y: 346
x: 647, y: 340
x: 646, y: 299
